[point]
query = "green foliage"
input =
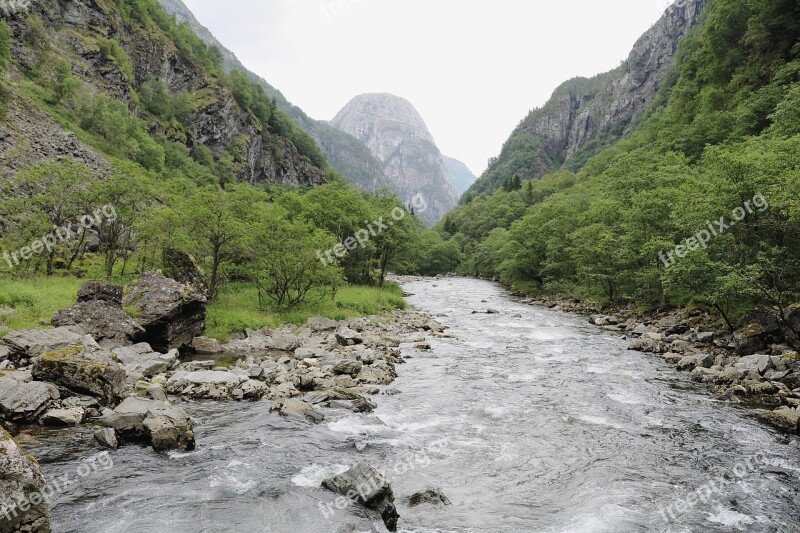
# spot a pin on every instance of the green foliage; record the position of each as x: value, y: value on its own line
x: 6, y: 39
x: 111, y: 50
x: 725, y: 132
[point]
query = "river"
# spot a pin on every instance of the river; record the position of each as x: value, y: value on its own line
x: 531, y: 420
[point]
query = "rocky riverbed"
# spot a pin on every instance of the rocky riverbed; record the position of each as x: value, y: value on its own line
x: 132, y: 377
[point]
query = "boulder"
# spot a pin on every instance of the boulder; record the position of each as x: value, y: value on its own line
x: 648, y: 345
x: 349, y: 368
x: 151, y: 422
x: 94, y: 291
x: 294, y: 408
x: 206, y: 346
x: 693, y: 361
x: 31, y: 343
x: 171, y: 313
x: 182, y: 267
x: 430, y: 497
x: 706, y: 337
x: 63, y: 417
x: 284, y: 343
x: 784, y: 418
x: 24, y: 402
x: 107, y: 437
x: 24, y: 506
x: 365, y: 485
x: 84, y: 368
x: 347, y: 337
x: 318, y: 324
x: 106, y: 322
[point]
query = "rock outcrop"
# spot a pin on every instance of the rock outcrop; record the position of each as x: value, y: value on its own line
x: 150, y: 422
x: 24, y: 505
x: 83, y: 368
x: 398, y: 137
x: 171, y: 313
x: 585, y: 115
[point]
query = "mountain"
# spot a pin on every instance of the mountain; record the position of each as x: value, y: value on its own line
x: 397, y: 136
x: 460, y: 174
x: 585, y: 115
x: 139, y: 87
x: 345, y: 154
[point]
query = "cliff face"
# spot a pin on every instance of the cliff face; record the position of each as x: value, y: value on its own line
x: 586, y: 115
x: 347, y: 155
x: 76, y: 29
x: 460, y: 174
x: 398, y: 137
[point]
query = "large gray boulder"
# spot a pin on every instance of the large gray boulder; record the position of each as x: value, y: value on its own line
x: 151, y: 422
x: 24, y: 506
x: 26, y: 344
x: 106, y: 322
x: 83, y: 367
x: 24, y: 402
x: 298, y: 409
x: 364, y: 485
x: 171, y: 313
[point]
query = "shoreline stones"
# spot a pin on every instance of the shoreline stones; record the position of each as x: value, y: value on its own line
x: 751, y: 364
x: 150, y: 422
x: 23, y: 494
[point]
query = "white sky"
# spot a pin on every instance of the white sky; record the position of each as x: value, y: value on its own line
x: 472, y: 68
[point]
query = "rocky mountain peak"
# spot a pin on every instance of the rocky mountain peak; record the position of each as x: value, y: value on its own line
x: 397, y: 136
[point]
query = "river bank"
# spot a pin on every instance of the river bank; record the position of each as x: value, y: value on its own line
x: 751, y: 365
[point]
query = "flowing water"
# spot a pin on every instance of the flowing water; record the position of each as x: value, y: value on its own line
x: 532, y: 420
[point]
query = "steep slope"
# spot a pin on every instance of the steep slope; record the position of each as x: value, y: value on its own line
x: 119, y: 70
x: 585, y: 115
x: 396, y: 135
x: 460, y: 174
x: 348, y: 156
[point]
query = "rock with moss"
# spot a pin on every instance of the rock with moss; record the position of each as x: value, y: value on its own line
x: 171, y: 313
x: 27, y: 344
x: 83, y: 368
x: 106, y: 322
x: 151, y: 422
x: 784, y: 418
x: 24, y: 506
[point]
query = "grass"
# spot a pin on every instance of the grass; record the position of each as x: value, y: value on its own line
x: 238, y: 309
x: 35, y: 300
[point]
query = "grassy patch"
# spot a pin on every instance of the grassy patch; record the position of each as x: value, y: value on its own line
x: 34, y: 300
x: 237, y: 309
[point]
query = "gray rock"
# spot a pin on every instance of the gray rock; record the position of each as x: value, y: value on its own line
x: 22, y: 402
x: 318, y: 324
x: 107, y: 323
x: 214, y: 385
x: 171, y: 313
x: 706, y: 337
x: 31, y: 343
x: 429, y: 496
x: 63, y: 417
x: 347, y: 337
x: 294, y: 408
x: 206, y: 346
x: 366, y: 486
x: 350, y: 368
x: 284, y: 343
x: 22, y: 483
x: 107, y: 437
x: 93, y: 291
x: 156, y: 392
x: 784, y: 418
x: 83, y: 367
x: 648, y: 345
x: 152, y: 422
x: 641, y: 329
x: 693, y: 361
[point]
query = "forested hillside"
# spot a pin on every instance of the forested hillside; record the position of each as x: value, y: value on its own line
x: 113, y: 104
x: 640, y: 222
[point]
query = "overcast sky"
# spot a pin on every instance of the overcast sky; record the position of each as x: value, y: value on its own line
x: 472, y: 68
